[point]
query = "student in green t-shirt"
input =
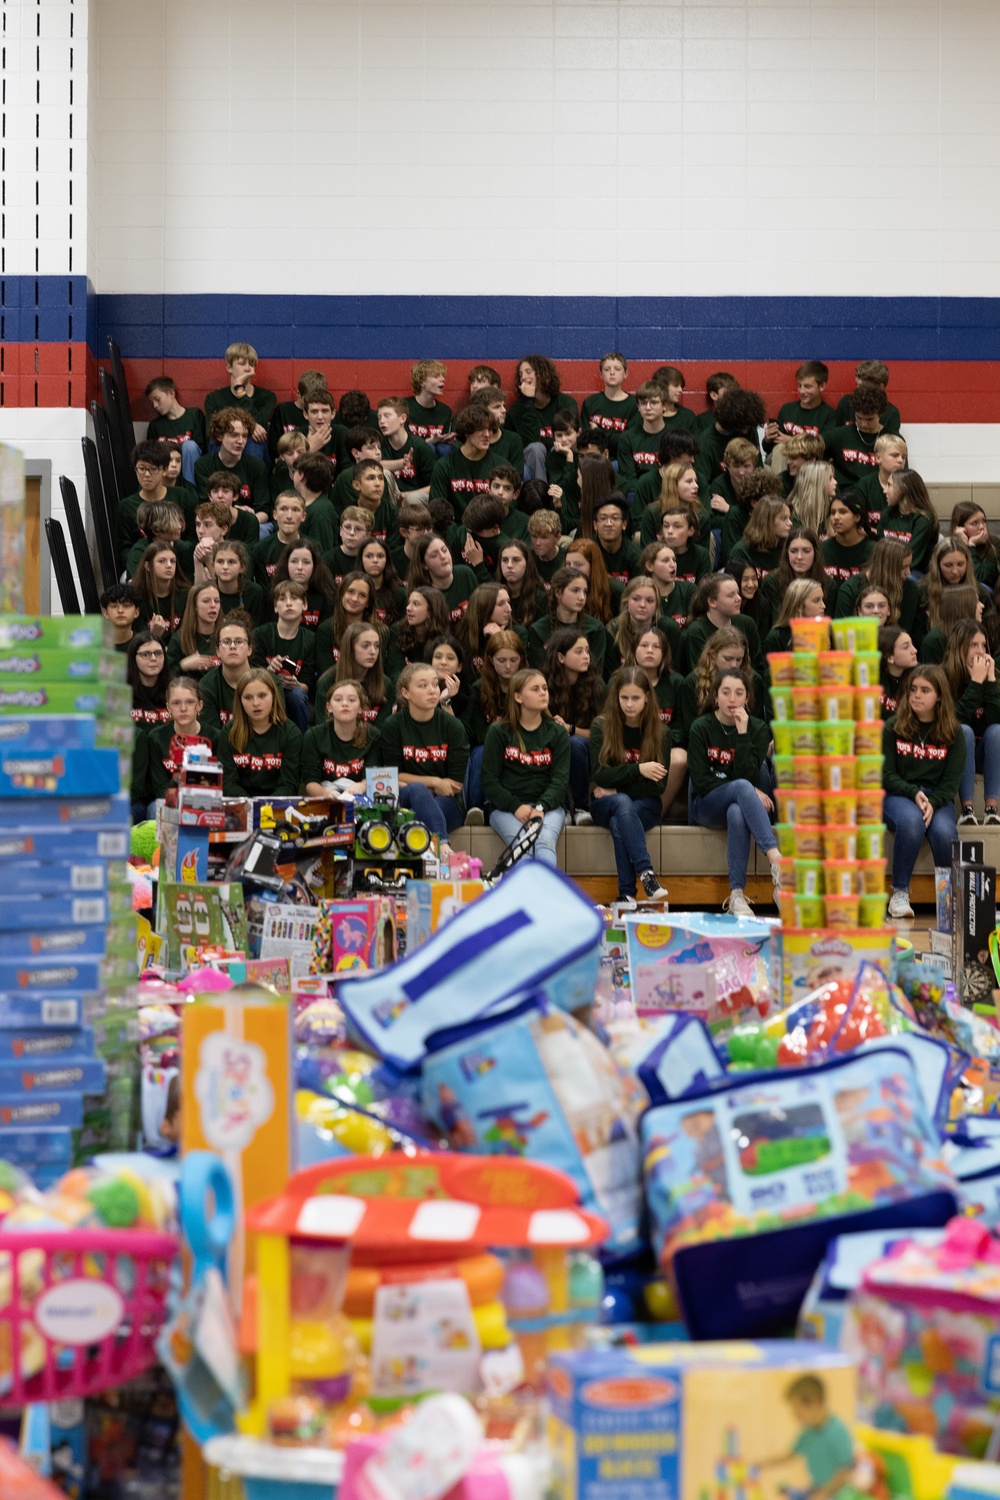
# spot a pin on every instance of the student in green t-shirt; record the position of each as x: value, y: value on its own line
x: 340, y: 747
x: 671, y: 381
x: 427, y: 416
x: 848, y: 547
x: 312, y: 480
x: 909, y: 517
x: 613, y: 410
x: 288, y: 649
x: 230, y: 428
x: 290, y: 416
x: 181, y: 424
x: 320, y: 433
x: 537, y: 399
x: 629, y: 761
x: 149, y: 459
x: 851, y: 448
x: 810, y: 413
x: 526, y: 766
x: 430, y: 748
x: 726, y: 751
x: 738, y: 413
x: 406, y: 457
x: 261, y: 755
x: 257, y: 403
x: 869, y: 372
x: 545, y: 534
x: 639, y: 449
x: 160, y: 521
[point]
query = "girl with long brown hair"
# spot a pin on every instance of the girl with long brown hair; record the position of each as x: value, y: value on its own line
x: 505, y: 654
x: 261, y: 754
x: 972, y: 677
x: 924, y: 754
x: 190, y: 649
x: 629, y: 761
x: 576, y: 696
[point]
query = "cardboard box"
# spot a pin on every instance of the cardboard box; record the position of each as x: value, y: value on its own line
x: 110, y: 701
x: 201, y: 913
x: 430, y: 903
x: 106, y: 812
x: 807, y: 957
x: 41, y: 912
x: 27, y: 1148
x: 684, y: 1421
x: 41, y: 1109
x: 34, y: 1045
x: 40, y: 1008
x: 713, y: 967
x: 64, y: 844
x: 80, y: 1075
x: 31, y: 944
x: 973, y: 919
x: 352, y: 936
x: 55, y: 632
x: 33, y: 877
x: 61, y: 664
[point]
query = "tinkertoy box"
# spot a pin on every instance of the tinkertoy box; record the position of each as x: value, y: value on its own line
x: 682, y: 1421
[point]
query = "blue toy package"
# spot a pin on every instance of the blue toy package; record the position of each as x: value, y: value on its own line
x: 32, y: 1045
x: 747, y: 1184
x: 35, y: 814
x: 532, y: 932
x: 37, y: 877
x: 28, y: 1148
x: 39, y: 912
x: 52, y: 1076
x: 20, y: 1110
x: 33, y: 944
x: 843, y: 1266
x: 66, y: 978
x: 712, y: 966
x: 972, y: 1151
x: 534, y: 1083
x: 42, y: 733
x: 64, y: 844
x: 677, y: 1058
x: 59, y: 773
x: 42, y: 1008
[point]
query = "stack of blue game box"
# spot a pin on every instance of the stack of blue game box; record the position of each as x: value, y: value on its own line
x: 67, y: 935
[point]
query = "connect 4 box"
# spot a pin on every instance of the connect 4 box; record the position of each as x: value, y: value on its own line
x: 685, y: 1421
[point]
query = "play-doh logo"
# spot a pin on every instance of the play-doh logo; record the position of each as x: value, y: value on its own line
x: 476, y: 1064
x: 630, y: 1390
x: 233, y: 1091
x: 831, y: 948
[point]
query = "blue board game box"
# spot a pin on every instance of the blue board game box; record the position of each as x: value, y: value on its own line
x: 82, y: 1075
x: 36, y: 1008
x: 41, y: 1109
x: 39, y: 912
x: 92, y: 811
x: 59, y: 773
x: 42, y: 877
x: 64, y: 844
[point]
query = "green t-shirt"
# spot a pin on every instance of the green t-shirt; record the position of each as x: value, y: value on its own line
x: 251, y: 598
x: 508, y: 449
x: 651, y: 521
x: 699, y: 631
x: 515, y: 524
x: 280, y: 481
x: 326, y: 757
x: 852, y: 453
x: 623, y: 564
x: 457, y: 478
x: 843, y: 562
x: 427, y: 422
x: 251, y: 473
x: 163, y: 751
x: 847, y: 600
x: 417, y: 473
x: 266, y: 557
x: 184, y: 552
x: 765, y: 561
x: 341, y: 563
x: 873, y: 494
x: 597, y: 639
x: 533, y: 423
x: 459, y: 591
x: 188, y: 427
x: 638, y: 455
x: 718, y: 753
x: 562, y: 470
x: 916, y: 531
x: 176, y: 654
x: 439, y: 747
x: 299, y: 652
x: 677, y: 606
x: 624, y: 778
x: 610, y: 417
x: 320, y: 523
x: 260, y: 405
x: 267, y: 767
x: 668, y: 694
x: 794, y: 418
x: 535, y: 771
x: 827, y: 1450
x: 845, y: 415
x: 288, y: 416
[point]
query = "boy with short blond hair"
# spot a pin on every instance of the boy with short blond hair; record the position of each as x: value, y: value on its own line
x: 869, y: 372
x: 184, y: 425
x: 545, y: 531
x: 287, y: 449
x: 612, y: 410
x: 406, y: 457
x: 891, y: 454
x: 230, y: 427
x: 213, y: 521
x: 257, y: 403
x: 738, y: 458
x: 355, y: 529
x: 289, y: 513
x: 427, y: 416
x: 803, y: 448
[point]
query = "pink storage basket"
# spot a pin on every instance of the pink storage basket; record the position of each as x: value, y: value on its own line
x: 80, y: 1310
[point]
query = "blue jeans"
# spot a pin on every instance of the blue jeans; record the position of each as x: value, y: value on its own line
x: 473, y: 789
x: 904, y: 819
x: 579, y: 772
x: 440, y: 814
x: 534, y: 461
x: 628, y: 819
x: 981, y: 755
x: 297, y: 706
x: 508, y: 827
x: 735, y: 806
x: 190, y: 454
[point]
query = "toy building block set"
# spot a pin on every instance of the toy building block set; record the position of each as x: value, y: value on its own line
x: 415, y: 1181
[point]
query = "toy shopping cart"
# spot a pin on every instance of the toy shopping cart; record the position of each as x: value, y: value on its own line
x: 80, y: 1310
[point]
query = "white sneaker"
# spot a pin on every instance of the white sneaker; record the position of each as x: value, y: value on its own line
x: 582, y: 819
x: 651, y: 886
x: 737, y: 905
x: 474, y: 817
x: 626, y: 903
x: 899, y: 905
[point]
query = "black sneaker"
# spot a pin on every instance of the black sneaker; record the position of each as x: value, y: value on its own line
x: 651, y: 886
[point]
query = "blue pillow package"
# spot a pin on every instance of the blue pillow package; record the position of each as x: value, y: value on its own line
x: 536, y: 1084
x: 747, y: 1183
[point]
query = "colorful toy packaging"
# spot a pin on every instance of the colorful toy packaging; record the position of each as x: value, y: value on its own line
x: 924, y: 1328
x: 714, y: 967
x: 687, y: 1421
x: 747, y: 1184
x: 356, y: 935
x: 431, y: 903
x: 534, y: 1083
x: 804, y: 959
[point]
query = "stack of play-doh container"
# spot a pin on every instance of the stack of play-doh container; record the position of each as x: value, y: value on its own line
x: 827, y: 730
